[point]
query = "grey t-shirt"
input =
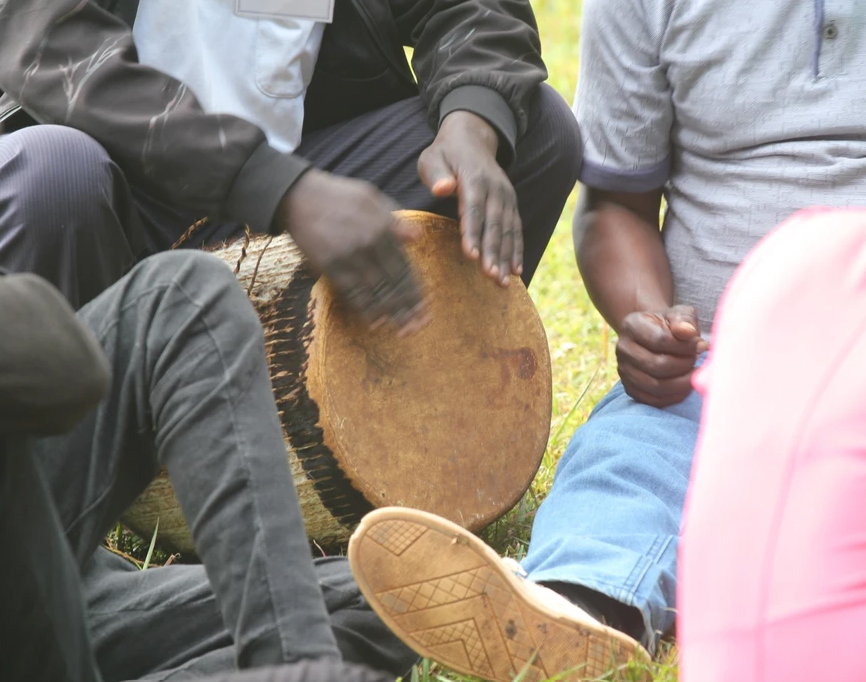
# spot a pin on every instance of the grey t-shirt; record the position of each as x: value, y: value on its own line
x: 745, y: 110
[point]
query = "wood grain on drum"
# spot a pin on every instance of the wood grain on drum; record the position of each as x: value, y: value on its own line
x: 453, y: 419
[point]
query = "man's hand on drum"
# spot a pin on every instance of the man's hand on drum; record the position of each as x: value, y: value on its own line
x: 462, y: 159
x: 347, y: 230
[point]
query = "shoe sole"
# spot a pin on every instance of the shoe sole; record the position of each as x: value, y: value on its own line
x: 447, y: 596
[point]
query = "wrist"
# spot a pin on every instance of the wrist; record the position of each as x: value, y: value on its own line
x: 283, y: 222
x: 472, y: 125
x: 639, y: 302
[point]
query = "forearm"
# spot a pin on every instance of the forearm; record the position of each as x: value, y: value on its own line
x: 621, y: 258
x: 52, y: 369
x: 72, y: 63
x: 482, y: 56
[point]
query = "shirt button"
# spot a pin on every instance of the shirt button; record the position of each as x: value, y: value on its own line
x: 831, y: 32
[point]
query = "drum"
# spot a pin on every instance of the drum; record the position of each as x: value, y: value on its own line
x: 453, y: 419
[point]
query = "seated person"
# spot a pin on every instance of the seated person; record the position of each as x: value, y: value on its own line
x: 737, y: 125
x: 165, y: 368
x: 772, y: 575
x: 284, y: 124
x: 126, y: 157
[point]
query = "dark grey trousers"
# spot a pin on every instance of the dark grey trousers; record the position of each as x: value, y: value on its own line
x: 190, y: 391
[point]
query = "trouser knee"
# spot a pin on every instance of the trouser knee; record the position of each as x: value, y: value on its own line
x: 205, y: 280
x: 554, y: 135
x: 65, y: 211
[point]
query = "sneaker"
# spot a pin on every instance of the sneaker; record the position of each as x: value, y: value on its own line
x: 451, y: 598
x: 306, y: 671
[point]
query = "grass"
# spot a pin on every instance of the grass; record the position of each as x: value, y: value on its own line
x: 581, y: 345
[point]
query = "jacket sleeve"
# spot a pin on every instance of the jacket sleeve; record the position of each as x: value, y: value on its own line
x: 482, y: 56
x: 72, y: 63
x: 52, y: 368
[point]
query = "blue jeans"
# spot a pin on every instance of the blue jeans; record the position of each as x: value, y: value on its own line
x: 612, y: 519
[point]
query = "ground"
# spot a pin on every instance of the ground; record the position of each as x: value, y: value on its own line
x: 581, y: 344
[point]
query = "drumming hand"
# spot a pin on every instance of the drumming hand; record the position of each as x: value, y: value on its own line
x: 347, y: 231
x: 656, y: 354
x: 462, y: 159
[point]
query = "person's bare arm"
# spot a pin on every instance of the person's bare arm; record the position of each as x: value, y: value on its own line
x: 625, y: 269
x: 620, y: 253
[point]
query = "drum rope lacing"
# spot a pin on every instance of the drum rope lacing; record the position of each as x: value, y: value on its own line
x: 203, y: 221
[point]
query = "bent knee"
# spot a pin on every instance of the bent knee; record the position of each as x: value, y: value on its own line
x: 555, y: 128
x: 59, y: 177
x: 55, y: 158
x: 203, y: 277
x: 195, y: 269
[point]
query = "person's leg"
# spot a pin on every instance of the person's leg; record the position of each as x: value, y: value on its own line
x: 383, y: 146
x: 45, y: 635
x: 606, y: 535
x: 773, y: 559
x: 66, y: 212
x: 191, y: 391
x: 604, y: 541
x: 165, y: 621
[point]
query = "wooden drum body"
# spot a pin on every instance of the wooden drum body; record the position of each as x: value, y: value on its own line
x: 453, y: 419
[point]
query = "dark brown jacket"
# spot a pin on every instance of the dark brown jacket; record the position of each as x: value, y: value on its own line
x: 73, y: 62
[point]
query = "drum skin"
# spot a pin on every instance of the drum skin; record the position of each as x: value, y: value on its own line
x: 453, y: 419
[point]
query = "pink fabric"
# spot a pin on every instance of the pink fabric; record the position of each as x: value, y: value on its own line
x: 772, y: 584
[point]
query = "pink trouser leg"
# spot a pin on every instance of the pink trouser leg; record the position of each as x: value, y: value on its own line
x: 772, y: 571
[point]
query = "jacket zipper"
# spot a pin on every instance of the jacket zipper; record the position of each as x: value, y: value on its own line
x: 374, y: 34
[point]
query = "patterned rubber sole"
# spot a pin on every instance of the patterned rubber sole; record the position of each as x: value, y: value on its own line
x: 448, y: 597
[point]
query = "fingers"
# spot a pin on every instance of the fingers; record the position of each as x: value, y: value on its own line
x: 492, y: 238
x: 506, y: 248
x: 402, y: 299
x: 491, y: 226
x: 652, y: 389
x: 511, y: 246
x: 406, y: 231
x: 683, y: 322
x: 436, y: 173
x: 517, y: 252
x: 667, y: 399
x: 377, y: 282
x: 655, y: 366
x: 471, y: 207
x: 660, y: 366
x: 653, y: 332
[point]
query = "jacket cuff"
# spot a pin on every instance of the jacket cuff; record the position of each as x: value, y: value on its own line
x: 260, y: 186
x: 492, y: 107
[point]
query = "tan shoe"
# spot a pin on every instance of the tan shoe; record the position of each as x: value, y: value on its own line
x: 451, y: 598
